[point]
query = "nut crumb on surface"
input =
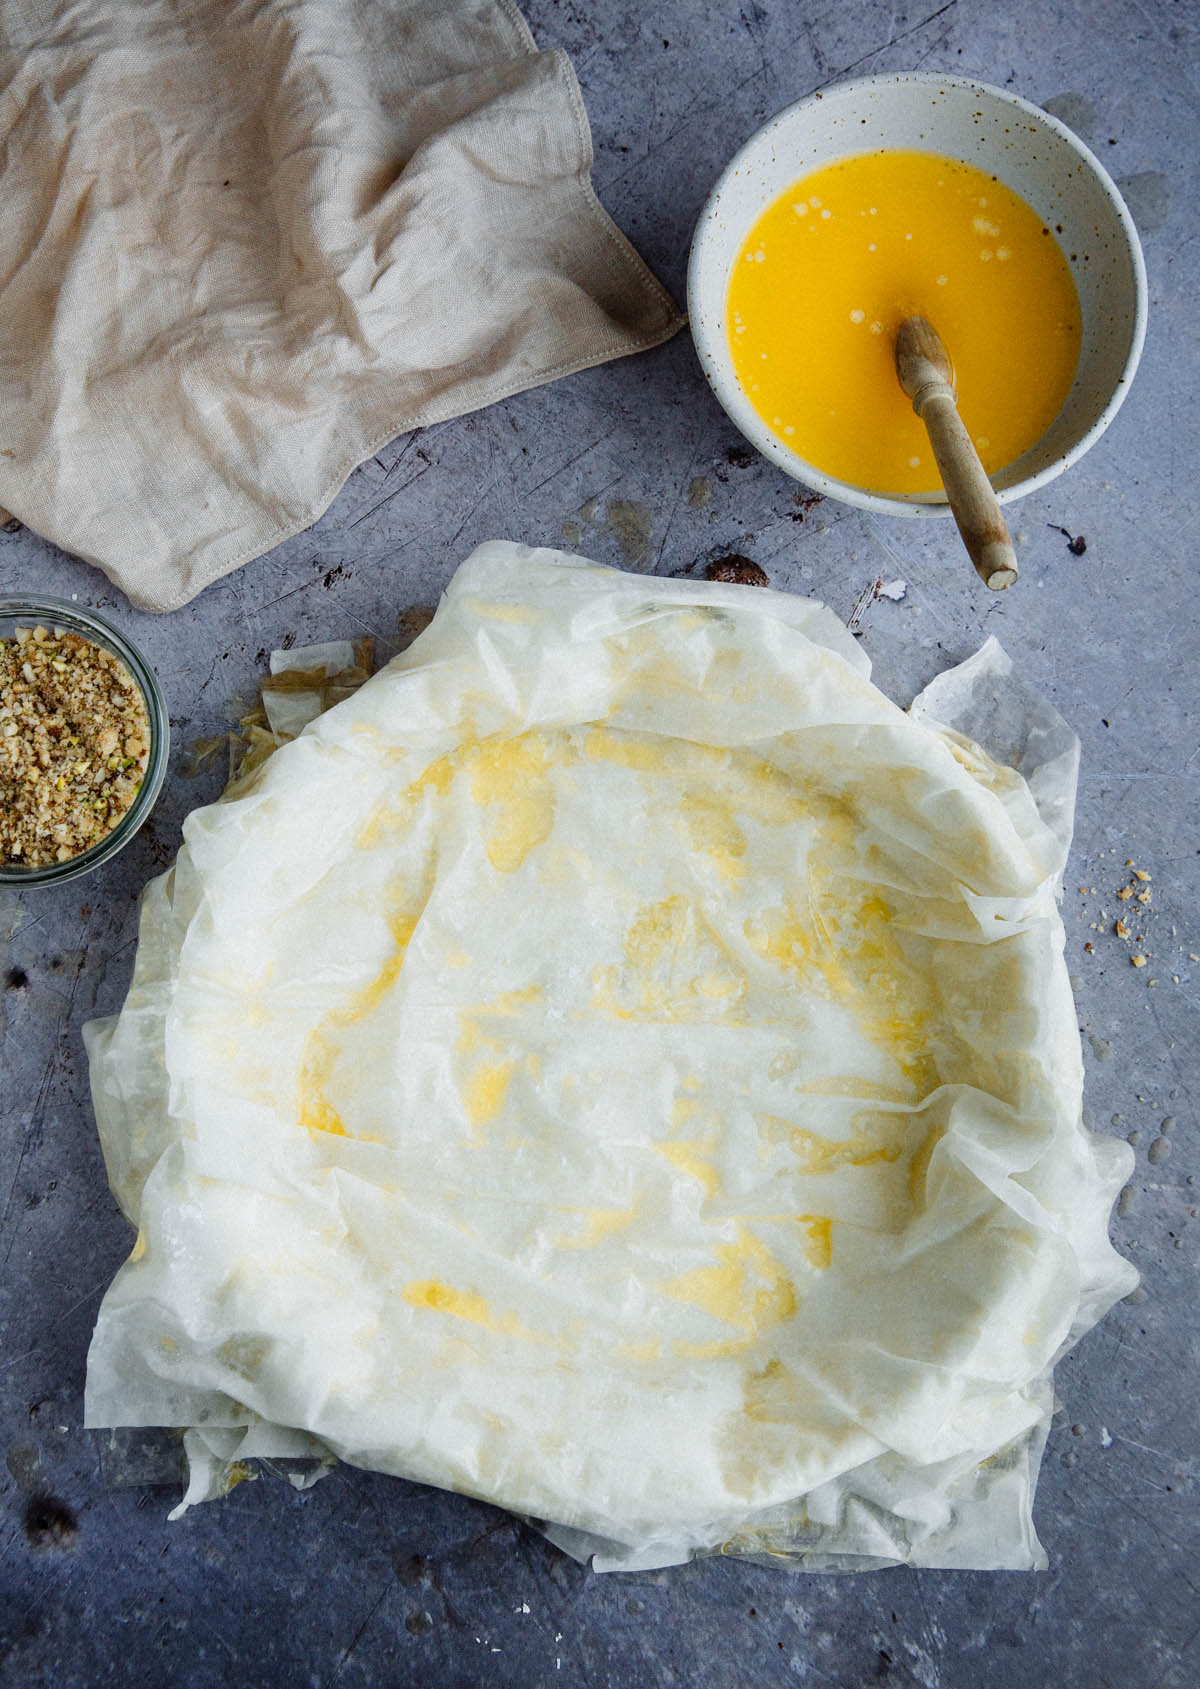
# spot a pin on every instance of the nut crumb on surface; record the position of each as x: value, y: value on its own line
x: 74, y: 744
x: 741, y: 571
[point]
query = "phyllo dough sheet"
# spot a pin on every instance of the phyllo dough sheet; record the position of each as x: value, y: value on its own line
x: 620, y: 1065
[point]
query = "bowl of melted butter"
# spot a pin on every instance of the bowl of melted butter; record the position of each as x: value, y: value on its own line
x: 910, y: 194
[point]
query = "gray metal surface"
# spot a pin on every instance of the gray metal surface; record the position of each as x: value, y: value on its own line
x: 368, y: 1580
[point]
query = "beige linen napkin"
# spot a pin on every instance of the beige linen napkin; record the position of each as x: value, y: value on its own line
x: 244, y: 245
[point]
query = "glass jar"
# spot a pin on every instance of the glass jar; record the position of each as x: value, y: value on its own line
x: 30, y: 611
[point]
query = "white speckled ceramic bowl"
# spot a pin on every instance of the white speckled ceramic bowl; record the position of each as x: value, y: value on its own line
x: 1032, y: 153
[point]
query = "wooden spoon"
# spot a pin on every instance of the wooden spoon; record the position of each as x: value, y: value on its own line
x: 927, y: 377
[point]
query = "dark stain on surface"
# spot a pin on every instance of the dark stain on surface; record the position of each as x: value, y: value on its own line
x: 417, y: 1571
x: 1148, y: 196
x: 160, y: 850
x: 1076, y: 544
x: 414, y: 619
x: 24, y: 1462
x: 631, y: 525
x: 741, y: 457
x: 49, y: 1523
x: 1075, y: 110
x: 16, y: 979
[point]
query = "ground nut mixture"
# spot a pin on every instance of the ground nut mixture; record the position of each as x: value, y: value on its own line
x: 74, y: 743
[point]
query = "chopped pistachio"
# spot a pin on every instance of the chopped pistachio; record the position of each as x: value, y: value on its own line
x: 73, y: 745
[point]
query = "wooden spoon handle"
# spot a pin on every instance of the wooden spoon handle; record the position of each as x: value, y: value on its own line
x: 972, y: 498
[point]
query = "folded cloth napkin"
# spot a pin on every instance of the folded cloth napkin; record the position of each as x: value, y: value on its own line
x: 246, y: 244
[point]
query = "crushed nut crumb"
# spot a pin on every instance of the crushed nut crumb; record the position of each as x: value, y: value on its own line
x: 1140, y: 874
x: 1139, y: 961
x: 74, y: 744
x: 742, y: 571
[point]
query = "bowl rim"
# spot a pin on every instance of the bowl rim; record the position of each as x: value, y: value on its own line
x: 886, y: 504
x: 90, y: 624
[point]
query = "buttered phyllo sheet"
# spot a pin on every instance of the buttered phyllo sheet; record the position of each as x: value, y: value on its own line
x: 620, y: 1065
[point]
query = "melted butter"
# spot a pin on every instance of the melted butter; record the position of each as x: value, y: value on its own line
x: 323, y: 1045
x: 316, y: 1112
x: 675, y: 967
x: 631, y: 750
x: 486, y: 1091
x: 506, y: 775
x: 508, y: 1002
x: 763, y: 1391
x: 510, y: 777
x: 438, y: 777
x: 255, y: 1006
x: 519, y: 615
x: 682, y: 1110
x: 729, y: 786
x: 690, y: 1159
x: 713, y: 829
x: 648, y: 1351
x: 238, y: 1472
x: 486, y: 1088
x: 814, y: 1154
x: 818, y: 1245
x: 600, y: 1223
x: 660, y: 932
x: 831, y: 269
x: 849, y: 946
x: 747, y: 1289
x: 396, y: 814
x: 768, y: 794
x: 401, y: 927
x: 466, y: 1305
x: 819, y: 1248
x: 471, y: 1038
